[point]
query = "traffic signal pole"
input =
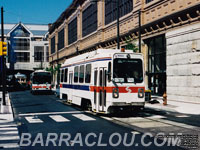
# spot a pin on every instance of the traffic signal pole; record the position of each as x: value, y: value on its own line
x: 3, y: 60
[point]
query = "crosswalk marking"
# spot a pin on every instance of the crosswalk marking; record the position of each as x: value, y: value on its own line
x: 33, y: 120
x: 59, y: 118
x: 8, y: 125
x: 9, y: 137
x: 50, y: 113
x: 7, y: 128
x: 9, y: 132
x: 83, y: 117
x: 10, y: 145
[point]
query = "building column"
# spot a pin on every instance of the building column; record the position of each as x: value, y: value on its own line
x: 56, y: 41
x: 66, y: 32
x: 100, y: 19
x: 79, y: 27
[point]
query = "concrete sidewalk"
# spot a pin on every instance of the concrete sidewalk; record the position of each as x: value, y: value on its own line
x: 174, y: 106
x: 9, y: 136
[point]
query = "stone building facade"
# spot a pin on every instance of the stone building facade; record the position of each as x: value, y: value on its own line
x: 183, y: 63
x: 88, y: 25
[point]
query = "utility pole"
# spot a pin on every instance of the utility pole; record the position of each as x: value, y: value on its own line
x: 139, y: 20
x: 118, y: 31
x: 3, y: 60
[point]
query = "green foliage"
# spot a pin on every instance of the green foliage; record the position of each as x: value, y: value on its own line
x: 53, y: 70
x: 131, y: 45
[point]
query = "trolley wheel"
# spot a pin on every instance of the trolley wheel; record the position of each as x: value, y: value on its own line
x: 86, y: 104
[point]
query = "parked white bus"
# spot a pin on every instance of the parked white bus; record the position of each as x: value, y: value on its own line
x: 104, y: 80
x: 40, y: 81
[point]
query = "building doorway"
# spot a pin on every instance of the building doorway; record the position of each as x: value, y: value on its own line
x: 157, y: 64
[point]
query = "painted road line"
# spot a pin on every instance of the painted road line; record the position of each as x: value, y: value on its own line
x: 7, y: 128
x: 33, y: 120
x: 150, y: 124
x: 83, y: 117
x: 50, y: 113
x: 156, y: 117
x: 107, y: 118
x: 8, y: 125
x: 128, y: 120
x: 58, y: 118
x: 9, y: 145
x: 9, y: 133
x: 142, y: 122
x: 182, y: 116
x: 9, y: 138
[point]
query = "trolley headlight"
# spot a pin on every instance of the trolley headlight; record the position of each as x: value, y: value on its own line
x: 140, y: 93
x: 115, y: 93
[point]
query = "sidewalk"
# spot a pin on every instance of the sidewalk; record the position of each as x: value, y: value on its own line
x: 174, y: 106
x: 9, y: 136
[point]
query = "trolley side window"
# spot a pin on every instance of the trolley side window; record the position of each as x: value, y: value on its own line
x: 66, y: 75
x: 62, y: 75
x: 76, y: 74
x: 81, y: 74
x: 88, y: 73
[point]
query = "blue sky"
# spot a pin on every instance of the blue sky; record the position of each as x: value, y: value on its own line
x: 33, y: 11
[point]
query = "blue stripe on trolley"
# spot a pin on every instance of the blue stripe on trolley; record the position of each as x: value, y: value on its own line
x: 77, y: 87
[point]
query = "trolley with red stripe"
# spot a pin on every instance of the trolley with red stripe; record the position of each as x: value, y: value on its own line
x: 104, y: 80
x: 40, y: 81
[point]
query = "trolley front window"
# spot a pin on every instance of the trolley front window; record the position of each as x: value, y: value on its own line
x: 128, y: 70
x: 42, y: 78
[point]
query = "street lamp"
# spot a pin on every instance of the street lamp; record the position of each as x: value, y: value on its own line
x: 118, y: 31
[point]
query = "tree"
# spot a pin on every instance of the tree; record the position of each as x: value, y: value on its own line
x: 131, y: 45
x: 53, y: 70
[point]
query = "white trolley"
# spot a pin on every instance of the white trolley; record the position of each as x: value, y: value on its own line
x: 104, y: 80
x: 40, y: 81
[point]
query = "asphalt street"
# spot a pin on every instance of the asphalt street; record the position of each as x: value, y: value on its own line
x: 46, y: 123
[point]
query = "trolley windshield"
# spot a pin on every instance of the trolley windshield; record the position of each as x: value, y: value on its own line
x: 42, y: 78
x: 127, y: 70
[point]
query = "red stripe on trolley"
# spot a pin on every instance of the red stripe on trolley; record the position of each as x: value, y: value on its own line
x: 121, y: 89
x: 39, y: 87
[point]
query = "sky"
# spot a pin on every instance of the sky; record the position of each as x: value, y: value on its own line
x: 33, y: 11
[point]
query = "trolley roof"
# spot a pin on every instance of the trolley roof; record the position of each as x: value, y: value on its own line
x: 100, y: 53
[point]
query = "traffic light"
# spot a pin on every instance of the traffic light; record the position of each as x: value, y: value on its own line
x: 3, y: 48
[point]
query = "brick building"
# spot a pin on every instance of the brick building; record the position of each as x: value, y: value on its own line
x: 169, y: 30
